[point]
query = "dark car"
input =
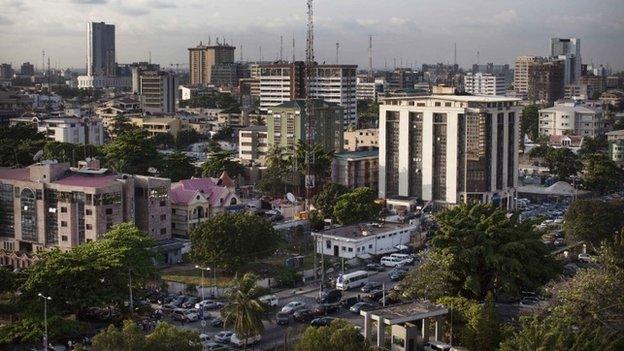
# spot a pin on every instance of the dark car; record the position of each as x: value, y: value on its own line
x: 303, y: 315
x: 397, y: 274
x: 329, y: 296
x: 283, y: 318
x: 321, y: 322
x: 217, y: 322
x: 374, y: 295
x: 348, y: 302
x: 325, y: 309
x: 371, y: 286
x: 375, y: 267
x: 361, y: 306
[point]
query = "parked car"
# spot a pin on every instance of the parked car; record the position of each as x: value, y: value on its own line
x: 348, y: 302
x: 204, y: 338
x: 293, y: 307
x: 191, y: 316
x: 360, y: 306
x: 283, y: 318
x: 179, y: 314
x: 370, y: 286
x: 209, y: 304
x: 177, y: 302
x: 235, y: 340
x: 397, y: 274
x: 190, y: 302
x: 329, y: 296
x: 391, y: 261
x: 322, y: 321
x: 374, y: 295
x: 325, y: 309
x: 437, y: 346
x: 217, y: 322
x: 375, y: 267
x: 224, y: 336
x: 303, y: 315
x: 270, y: 300
x: 529, y: 301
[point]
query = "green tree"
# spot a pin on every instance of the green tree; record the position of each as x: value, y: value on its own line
x: 97, y: 272
x: 30, y: 328
x: 166, y: 337
x: 320, y: 161
x: 231, y: 240
x: 129, y: 338
x: 122, y: 124
x: 222, y: 161
x: 563, y: 163
x: 177, y: 166
x: 359, y: 205
x: 8, y: 279
x: 132, y: 152
x: 224, y: 133
x: 19, y: 143
x: 601, y: 174
x: 492, y: 252
x: 530, y: 122
x: 69, y: 152
x: 325, y: 200
x: 278, y: 169
x: 287, y: 277
x: 593, y: 221
x: 431, y: 280
x: 186, y: 138
x: 340, y: 335
x: 595, y: 145
x: 164, y: 140
x: 245, y: 312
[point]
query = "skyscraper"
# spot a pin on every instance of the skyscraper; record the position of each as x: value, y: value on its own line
x: 568, y: 50
x: 202, y: 60
x: 101, y: 49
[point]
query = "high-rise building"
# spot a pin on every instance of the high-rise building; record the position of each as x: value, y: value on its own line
x: 569, y: 51
x: 137, y: 69
x: 280, y: 83
x: 546, y: 81
x: 101, y: 49
x: 449, y: 149
x: 158, y: 91
x: 27, y: 69
x: 253, y: 144
x: 484, y: 84
x: 521, y: 73
x: 6, y: 71
x: 202, y: 60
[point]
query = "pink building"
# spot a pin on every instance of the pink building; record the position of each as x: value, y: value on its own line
x: 51, y: 205
x: 197, y: 199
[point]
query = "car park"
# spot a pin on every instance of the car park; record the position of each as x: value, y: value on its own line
x: 270, y: 300
x: 216, y: 322
x: 178, y: 314
x: 329, y: 296
x: 325, y: 309
x: 209, y: 304
x: 283, y: 318
x: 397, y: 274
x: 360, y: 306
x: 235, y: 340
x: 293, y: 307
x: 370, y: 286
x: 303, y: 315
x: 374, y: 295
x: 348, y: 302
x: 190, y: 302
x: 375, y: 267
x: 224, y: 336
x: 321, y: 322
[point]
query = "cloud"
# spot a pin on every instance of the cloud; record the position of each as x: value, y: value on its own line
x: 89, y: 2
x: 367, y: 22
x: 506, y: 17
x: 398, y: 21
x: 5, y: 21
x: 160, y: 4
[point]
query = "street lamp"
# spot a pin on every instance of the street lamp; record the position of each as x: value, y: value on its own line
x: 45, y: 319
x: 202, y: 279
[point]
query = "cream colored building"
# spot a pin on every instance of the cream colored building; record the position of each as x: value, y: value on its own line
x: 253, y: 144
x: 157, y: 125
x: 571, y: 118
x: 361, y: 138
x: 521, y: 73
x: 203, y: 58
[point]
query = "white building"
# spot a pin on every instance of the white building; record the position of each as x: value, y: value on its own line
x: 368, y: 90
x: 484, y: 84
x: 86, y: 82
x: 449, y: 149
x: 253, y: 144
x: 41, y: 101
x: 69, y: 129
x: 363, y: 240
x: 571, y: 118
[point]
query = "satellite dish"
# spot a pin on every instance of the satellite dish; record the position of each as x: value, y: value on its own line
x: 291, y: 197
x: 152, y: 170
x: 38, y: 156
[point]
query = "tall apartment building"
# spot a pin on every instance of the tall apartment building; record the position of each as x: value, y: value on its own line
x: 50, y: 205
x: 521, y: 73
x: 546, y: 81
x: 571, y: 118
x: 202, y: 60
x: 282, y: 82
x: 27, y: 69
x: 449, y: 149
x: 367, y: 90
x: 253, y: 144
x: 158, y: 91
x: 101, y: 49
x: 595, y: 85
x: 616, y: 146
x: 484, y: 84
x: 569, y: 51
x: 286, y: 124
x: 6, y: 71
x: 68, y: 129
x: 137, y: 68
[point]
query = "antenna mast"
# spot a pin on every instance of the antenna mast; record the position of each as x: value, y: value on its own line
x: 293, y: 48
x: 455, y: 54
x: 337, y: 50
x: 370, y: 56
x: 309, y: 106
x: 281, y: 48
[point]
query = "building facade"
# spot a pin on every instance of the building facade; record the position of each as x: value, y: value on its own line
x: 160, y: 124
x: 356, y: 169
x: 50, y: 205
x: 203, y: 58
x: 27, y: 69
x: 569, y: 51
x: 571, y: 118
x: 546, y: 81
x: 158, y: 91
x: 101, y: 59
x: 6, y: 71
x: 521, y: 73
x: 75, y: 130
x: 484, y: 84
x: 280, y: 82
x: 356, y: 139
x: 616, y: 146
x: 253, y: 144
x: 449, y: 149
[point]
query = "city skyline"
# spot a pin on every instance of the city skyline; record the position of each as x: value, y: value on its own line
x: 410, y: 32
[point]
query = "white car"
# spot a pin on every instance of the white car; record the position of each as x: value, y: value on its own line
x: 583, y: 257
x: 293, y: 307
x: 191, y: 316
x: 209, y: 304
x: 224, y: 336
x: 204, y: 339
x: 270, y: 300
x: 235, y: 340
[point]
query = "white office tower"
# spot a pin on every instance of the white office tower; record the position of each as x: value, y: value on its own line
x: 484, y: 84
x: 568, y: 50
x: 101, y: 49
x: 449, y: 149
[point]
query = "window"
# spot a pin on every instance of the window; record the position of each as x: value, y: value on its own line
x: 63, y: 209
x: 63, y: 224
x: 350, y: 249
x: 163, y: 217
x: 370, y: 246
x: 437, y: 104
x: 64, y: 237
x: 89, y: 226
x: 163, y: 231
x: 88, y: 212
x: 328, y: 244
x: 344, y: 248
x: 109, y: 211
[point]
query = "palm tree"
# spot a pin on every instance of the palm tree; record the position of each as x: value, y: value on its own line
x: 320, y: 162
x: 245, y: 312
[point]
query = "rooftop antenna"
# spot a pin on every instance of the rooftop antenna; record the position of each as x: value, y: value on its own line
x: 309, y: 107
x: 477, y: 57
x: 455, y: 55
x: 370, y: 56
x: 386, y: 64
x: 241, y: 53
x: 149, y: 57
x: 337, y: 50
x: 293, y: 47
x: 260, y: 53
x: 209, y: 40
x: 281, y: 48
x: 43, y: 61
x: 395, y: 66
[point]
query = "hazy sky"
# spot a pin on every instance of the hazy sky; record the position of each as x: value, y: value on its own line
x: 414, y: 31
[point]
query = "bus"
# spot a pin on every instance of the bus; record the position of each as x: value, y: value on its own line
x: 351, y: 280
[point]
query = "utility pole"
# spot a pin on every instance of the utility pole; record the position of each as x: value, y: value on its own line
x: 45, y: 319
x: 281, y: 48
x: 130, y: 285
x: 293, y: 48
x: 455, y: 55
x: 370, y: 56
x: 337, y: 50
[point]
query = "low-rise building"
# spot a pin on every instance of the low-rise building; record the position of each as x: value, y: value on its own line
x: 100, y: 82
x: 253, y: 144
x: 195, y: 200
x: 484, y: 84
x: 571, y: 118
x: 160, y: 124
x: 616, y: 145
x: 68, y: 129
x: 367, y: 90
x: 572, y: 142
x: 356, y: 169
x: 50, y: 205
x: 233, y: 116
x: 363, y: 240
x: 357, y: 139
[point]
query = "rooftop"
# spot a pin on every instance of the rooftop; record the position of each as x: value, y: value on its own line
x: 300, y: 104
x: 407, y: 312
x: 90, y: 181
x: 459, y: 98
x: 254, y: 129
x: 571, y: 108
x: 362, y: 230
x: 357, y: 154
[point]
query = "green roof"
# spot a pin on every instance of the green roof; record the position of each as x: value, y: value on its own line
x: 358, y: 154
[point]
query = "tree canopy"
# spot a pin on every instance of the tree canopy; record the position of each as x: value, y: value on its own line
x: 278, y: 170
x: 165, y: 337
x: 593, y: 220
x: 231, y: 240
x: 19, y: 143
x: 340, y: 335
x: 356, y: 206
x: 69, y: 152
x: 132, y: 152
x: 563, y: 163
x: 186, y: 138
x: 325, y: 200
x: 320, y: 161
x: 530, y: 122
x: 219, y: 162
x: 177, y: 166
x: 601, y: 174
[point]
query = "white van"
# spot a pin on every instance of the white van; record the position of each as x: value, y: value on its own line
x: 235, y: 340
x: 351, y: 280
x: 270, y: 300
x: 404, y: 257
x: 390, y: 261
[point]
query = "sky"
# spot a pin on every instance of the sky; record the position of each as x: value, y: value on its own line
x: 411, y: 31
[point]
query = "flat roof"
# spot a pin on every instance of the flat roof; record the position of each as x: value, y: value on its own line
x: 407, y: 312
x: 254, y: 129
x: 356, y: 231
x: 358, y: 154
x: 461, y: 98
